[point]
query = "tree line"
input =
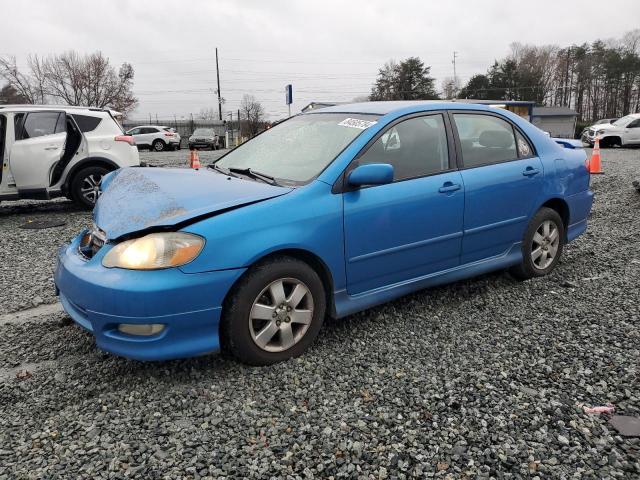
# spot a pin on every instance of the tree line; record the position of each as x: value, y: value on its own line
x: 69, y: 78
x: 599, y: 79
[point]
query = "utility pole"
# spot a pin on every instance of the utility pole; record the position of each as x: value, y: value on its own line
x: 219, y: 97
x: 455, y: 75
x: 239, y: 129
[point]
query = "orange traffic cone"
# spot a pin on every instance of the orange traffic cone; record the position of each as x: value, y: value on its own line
x: 594, y: 163
x: 194, y: 159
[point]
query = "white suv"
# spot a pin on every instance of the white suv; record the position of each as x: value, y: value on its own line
x: 157, y: 138
x: 624, y: 131
x: 51, y: 150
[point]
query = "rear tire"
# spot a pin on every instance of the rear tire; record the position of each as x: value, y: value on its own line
x: 158, y: 146
x: 84, y: 188
x: 274, y: 313
x: 542, y: 245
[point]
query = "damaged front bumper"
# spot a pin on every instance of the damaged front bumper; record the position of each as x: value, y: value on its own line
x: 188, y: 306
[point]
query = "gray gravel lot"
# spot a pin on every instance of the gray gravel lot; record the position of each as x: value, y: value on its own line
x: 31, y: 254
x: 482, y: 378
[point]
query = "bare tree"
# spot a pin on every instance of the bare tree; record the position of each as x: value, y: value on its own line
x: 252, y: 113
x: 450, y: 87
x: 208, y: 114
x: 31, y: 86
x: 74, y: 80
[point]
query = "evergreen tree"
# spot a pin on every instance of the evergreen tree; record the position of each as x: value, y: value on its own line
x: 408, y: 80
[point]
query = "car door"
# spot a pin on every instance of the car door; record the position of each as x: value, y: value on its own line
x: 149, y: 134
x: 632, y: 132
x: 503, y: 180
x: 40, y: 139
x: 411, y: 227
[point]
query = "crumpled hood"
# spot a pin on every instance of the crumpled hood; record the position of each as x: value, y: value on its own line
x: 135, y: 199
x: 603, y: 126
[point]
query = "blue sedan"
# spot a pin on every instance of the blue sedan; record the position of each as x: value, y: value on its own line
x: 327, y: 213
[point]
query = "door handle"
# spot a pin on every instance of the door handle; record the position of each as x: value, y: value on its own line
x: 530, y: 172
x: 449, y: 187
x: 51, y: 147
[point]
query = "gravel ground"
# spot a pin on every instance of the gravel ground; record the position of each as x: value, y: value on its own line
x: 482, y: 378
x: 37, y: 261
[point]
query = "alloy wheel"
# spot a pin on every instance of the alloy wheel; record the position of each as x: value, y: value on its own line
x: 281, y: 315
x: 90, y: 189
x: 545, y: 245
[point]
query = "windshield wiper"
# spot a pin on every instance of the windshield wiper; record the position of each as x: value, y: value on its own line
x: 255, y: 174
x: 222, y: 170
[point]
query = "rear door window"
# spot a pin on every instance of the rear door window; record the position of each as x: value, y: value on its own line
x: 39, y: 124
x: 87, y: 123
x: 485, y: 139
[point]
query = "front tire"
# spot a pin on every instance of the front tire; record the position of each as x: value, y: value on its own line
x: 85, y: 186
x: 274, y: 313
x: 542, y: 245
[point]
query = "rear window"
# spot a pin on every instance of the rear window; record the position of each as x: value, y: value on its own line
x: 86, y: 123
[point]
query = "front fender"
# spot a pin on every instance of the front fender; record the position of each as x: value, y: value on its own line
x: 308, y: 219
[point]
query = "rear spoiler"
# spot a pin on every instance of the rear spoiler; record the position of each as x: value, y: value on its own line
x: 569, y: 143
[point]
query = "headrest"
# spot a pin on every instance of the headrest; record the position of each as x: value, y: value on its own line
x: 496, y: 139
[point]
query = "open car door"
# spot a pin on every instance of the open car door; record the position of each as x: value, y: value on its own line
x: 40, y: 139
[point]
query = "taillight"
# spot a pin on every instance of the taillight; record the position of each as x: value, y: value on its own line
x: 169, y: 134
x: 125, y: 138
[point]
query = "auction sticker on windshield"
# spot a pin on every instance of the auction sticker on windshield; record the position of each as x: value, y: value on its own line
x: 356, y: 123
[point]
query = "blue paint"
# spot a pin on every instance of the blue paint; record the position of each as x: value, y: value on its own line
x: 376, y: 242
x: 372, y: 174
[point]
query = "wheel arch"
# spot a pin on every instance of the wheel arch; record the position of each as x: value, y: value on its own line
x: 562, y: 207
x: 611, y: 140
x: 307, y: 257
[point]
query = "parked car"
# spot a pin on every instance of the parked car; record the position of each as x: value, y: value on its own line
x: 602, y: 121
x: 328, y: 213
x: 204, y: 138
x: 156, y: 138
x: 623, y: 132
x: 51, y: 150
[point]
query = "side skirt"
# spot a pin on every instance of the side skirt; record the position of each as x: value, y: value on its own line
x: 347, y: 304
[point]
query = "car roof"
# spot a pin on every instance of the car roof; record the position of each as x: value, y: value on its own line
x: 383, y: 108
x: 30, y: 107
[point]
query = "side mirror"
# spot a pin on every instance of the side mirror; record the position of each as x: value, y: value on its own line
x: 371, y: 174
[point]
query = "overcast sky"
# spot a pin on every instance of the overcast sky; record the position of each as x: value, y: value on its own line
x: 328, y: 49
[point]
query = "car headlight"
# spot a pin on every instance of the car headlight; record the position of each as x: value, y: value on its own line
x: 600, y: 132
x: 155, y: 251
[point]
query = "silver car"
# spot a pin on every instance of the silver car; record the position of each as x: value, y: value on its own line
x: 204, y: 138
